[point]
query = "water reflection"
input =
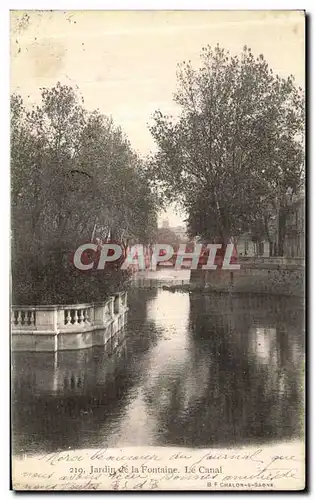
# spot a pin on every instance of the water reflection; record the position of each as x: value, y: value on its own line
x: 190, y: 370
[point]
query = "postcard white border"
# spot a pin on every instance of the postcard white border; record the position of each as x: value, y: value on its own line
x: 5, y: 182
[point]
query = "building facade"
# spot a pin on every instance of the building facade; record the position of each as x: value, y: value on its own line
x: 294, y: 240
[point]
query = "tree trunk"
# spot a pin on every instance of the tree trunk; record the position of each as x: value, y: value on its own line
x: 113, y: 233
x: 281, y: 230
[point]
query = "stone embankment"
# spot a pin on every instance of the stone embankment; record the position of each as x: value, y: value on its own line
x: 67, y: 327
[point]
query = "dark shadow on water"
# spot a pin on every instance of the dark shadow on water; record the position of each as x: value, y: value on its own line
x: 244, y: 384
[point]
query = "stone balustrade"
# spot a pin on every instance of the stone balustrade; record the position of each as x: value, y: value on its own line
x: 47, y: 325
x: 23, y: 317
x: 271, y: 261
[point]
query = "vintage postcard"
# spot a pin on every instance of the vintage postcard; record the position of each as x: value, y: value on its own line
x: 157, y: 255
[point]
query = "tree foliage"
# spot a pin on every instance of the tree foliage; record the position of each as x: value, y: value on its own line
x: 74, y: 177
x: 236, y: 149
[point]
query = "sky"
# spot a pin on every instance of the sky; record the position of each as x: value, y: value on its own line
x: 124, y: 62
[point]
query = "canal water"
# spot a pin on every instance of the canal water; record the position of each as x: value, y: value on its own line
x: 188, y: 370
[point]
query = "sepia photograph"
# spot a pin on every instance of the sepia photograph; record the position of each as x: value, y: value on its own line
x: 157, y: 250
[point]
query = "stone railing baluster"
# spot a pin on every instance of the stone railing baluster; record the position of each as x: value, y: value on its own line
x: 80, y: 317
x: 19, y: 318
x: 86, y: 317
x: 67, y: 317
x: 75, y: 317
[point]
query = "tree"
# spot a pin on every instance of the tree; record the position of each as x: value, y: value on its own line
x: 237, y: 146
x: 73, y: 173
